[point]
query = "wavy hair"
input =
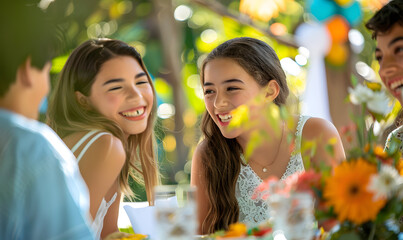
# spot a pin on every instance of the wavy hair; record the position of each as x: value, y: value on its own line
x: 222, y: 156
x: 66, y: 115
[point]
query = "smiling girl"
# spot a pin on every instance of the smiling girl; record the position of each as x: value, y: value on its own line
x: 233, y: 74
x: 103, y: 108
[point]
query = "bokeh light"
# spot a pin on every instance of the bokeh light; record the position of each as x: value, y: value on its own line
x: 301, y: 60
x: 183, y: 13
x: 356, y: 39
x: 169, y: 143
x: 165, y: 110
x: 193, y: 81
x: 189, y: 118
x: 303, y: 51
x: 278, y: 29
x: 208, y: 36
x: 290, y: 66
x: 140, y: 47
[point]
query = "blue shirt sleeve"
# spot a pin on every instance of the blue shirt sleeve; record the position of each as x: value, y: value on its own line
x: 44, y: 192
x: 49, y: 203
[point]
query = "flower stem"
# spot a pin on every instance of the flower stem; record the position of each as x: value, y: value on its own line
x: 372, y: 233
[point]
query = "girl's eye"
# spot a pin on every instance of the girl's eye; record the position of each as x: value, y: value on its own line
x: 115, y: 88
x: 208, y: 91
x: 142, y: 82
x: 378, y: 58
x: 232, y: 88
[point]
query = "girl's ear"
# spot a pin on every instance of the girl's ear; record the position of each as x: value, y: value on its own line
x: 82, y: 100
x: 272, y: 90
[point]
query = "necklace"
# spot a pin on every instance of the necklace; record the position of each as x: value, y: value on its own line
x: 264, y: 167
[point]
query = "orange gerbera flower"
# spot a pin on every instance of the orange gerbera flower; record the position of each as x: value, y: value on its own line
x: 347, y: 192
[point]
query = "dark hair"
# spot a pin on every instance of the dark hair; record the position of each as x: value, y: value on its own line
x: 221, y: 156
x: 386, y: 17
x: 26, y: 31
x: 66, y: 115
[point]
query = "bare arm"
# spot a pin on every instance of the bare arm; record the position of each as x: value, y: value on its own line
x: 100, y: 168
x: 323, y: 133
x: 111, y: 217
x: 197, y: 179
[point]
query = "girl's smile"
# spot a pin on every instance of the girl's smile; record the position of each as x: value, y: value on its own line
x: 134, y: 114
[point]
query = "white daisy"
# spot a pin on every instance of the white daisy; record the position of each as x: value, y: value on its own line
x: 384, y: 184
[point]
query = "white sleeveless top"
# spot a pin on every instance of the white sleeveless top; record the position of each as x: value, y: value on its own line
x: 104, y: 206
x: 255, y: 211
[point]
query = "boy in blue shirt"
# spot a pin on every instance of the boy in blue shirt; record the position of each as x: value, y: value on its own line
x: 42, y: 194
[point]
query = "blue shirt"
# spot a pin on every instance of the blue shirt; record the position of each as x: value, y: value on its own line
x: 42, y: 194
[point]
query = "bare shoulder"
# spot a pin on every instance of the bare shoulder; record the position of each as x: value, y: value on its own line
x: 108, y: 148
x: 198, y: 153
x: 197, y: 165
x: 324, y: 132
x: 316, y: 127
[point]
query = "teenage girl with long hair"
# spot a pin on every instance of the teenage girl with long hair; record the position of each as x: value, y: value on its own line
x: 103, y: 108
x: 233, y: 74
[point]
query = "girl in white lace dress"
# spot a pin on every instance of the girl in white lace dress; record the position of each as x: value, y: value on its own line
x: 104, y: 108
x: 233, y: 74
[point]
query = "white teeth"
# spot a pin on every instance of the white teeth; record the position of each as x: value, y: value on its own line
x: 396, y: 84
x: 225, y: 118
x: 134, y: 113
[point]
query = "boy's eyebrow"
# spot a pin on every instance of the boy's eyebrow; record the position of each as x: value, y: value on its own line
x: 225, y: 82
x: 139, y: 75
x: 395, y: 40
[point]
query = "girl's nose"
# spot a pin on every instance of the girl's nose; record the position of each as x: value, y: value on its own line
x: 220, y: 101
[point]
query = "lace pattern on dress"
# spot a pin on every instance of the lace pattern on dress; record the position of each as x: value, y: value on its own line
x: 255, y: 211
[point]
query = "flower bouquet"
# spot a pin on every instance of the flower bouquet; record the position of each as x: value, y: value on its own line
x: 241, y: 231
x: 365, y: 192
x: 359, y: 198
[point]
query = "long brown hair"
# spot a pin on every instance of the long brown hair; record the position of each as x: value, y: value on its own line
x: 221, y: 158
x: 66, y: 115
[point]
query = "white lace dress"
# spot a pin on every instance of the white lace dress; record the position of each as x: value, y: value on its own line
x: 255, y: 211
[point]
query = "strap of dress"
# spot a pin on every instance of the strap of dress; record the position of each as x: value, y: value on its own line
x: 83, y: 139
x: 298, y: 134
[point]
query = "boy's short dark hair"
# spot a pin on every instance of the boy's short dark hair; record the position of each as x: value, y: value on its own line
x: 386, y: 17
x: 25, y: 31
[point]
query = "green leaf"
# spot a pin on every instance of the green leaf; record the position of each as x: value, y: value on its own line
x: 354, y: 80
x: 255, y: 141
x: 330, y: 149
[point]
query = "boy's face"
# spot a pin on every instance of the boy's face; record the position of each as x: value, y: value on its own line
x: 389, y: 53
x: 40, y: 86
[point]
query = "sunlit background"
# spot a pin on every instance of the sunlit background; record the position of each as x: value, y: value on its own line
x: 174, y: 36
